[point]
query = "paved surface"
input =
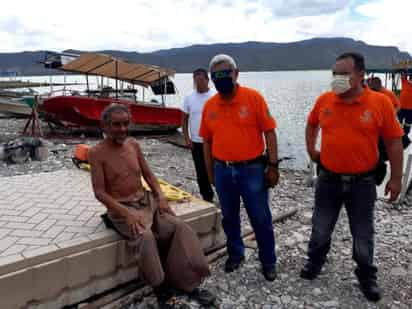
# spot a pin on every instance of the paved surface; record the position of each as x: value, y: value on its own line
x: 45, y: 211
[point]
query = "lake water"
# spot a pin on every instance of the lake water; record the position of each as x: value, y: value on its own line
x: 290, y: 96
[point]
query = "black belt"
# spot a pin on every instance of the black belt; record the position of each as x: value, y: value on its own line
x: 324, y: 173
x: 260, y: 159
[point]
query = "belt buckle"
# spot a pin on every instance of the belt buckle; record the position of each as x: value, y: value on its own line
x: 229, y: 163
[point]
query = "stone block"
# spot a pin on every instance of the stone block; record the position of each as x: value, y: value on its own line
x: 105, y: 259
x: 16, y: 289
x: 12, y: 263
x: 206, y: 223
x: 49, y: 279
x: 80, y: 268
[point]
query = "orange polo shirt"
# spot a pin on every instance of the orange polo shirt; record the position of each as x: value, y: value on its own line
x: 235, y: 127
x: 394, y: 99
x: 406, y: 94
x: 350, y: 132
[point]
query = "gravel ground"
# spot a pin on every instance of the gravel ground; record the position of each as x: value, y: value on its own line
x: 246, y: 288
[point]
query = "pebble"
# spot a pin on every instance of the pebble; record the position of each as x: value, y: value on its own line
x: 317, y: 292
x: 399, y: 272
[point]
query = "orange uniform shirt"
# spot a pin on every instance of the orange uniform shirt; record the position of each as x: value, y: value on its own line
x: 406, y: 94
x: 394, y: 99
x: 349, y: 132
x: 235, y: 127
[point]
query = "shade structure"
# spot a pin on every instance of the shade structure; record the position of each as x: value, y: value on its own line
x: 108, y: 66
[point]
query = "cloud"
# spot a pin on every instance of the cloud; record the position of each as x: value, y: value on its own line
x: 143, y: 25
x: 387, y: 23
x: 298, y: 8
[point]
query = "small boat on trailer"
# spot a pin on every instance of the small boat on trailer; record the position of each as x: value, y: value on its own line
x: 84, y: 110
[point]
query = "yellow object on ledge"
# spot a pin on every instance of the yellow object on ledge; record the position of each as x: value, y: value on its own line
x: 171, y: 192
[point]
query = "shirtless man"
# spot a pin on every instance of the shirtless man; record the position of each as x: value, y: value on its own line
x: 168, y: 252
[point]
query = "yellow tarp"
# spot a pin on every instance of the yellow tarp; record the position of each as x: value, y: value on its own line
x: 171, y: 192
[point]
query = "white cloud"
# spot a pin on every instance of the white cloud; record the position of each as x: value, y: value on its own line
x: 143, y: 25
x: 294, y: 8
x: 388, y: 23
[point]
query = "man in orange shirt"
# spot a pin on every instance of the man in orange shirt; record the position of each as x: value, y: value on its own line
x: 405, y: 114
x: 235, y: 125
x: 351, y: 118
x: 375, y: 84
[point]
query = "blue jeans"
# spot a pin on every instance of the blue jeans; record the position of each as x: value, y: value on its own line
x: 246, y: 182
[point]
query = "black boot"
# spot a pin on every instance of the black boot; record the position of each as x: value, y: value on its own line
x: 368, y: 285
x: 269, y: 272
x: 310, y: 271
x: 232, y: 265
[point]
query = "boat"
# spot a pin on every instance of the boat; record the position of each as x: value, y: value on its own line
x: 83, y: 110
x: 14, y: 107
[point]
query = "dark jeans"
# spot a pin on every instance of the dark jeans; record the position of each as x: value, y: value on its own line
x: 246, y: 182
x: 405, y: 115
x: 359, y: 200
x: 205, y: 188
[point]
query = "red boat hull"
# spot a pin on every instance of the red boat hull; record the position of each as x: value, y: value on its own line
x: 85, y: 112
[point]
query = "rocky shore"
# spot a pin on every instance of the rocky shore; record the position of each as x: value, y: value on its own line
x: 246, y: 288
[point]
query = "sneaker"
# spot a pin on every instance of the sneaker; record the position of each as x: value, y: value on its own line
x: 269, y: 273
x: 232, y: 265
x: 202, y: 296
x: 310, y: 271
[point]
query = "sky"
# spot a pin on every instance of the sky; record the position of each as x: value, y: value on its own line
x: 148, y: 25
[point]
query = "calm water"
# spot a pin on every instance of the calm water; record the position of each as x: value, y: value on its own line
x: 289, y: 95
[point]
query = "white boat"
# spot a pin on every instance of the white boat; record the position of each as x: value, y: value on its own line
x: 14, y: 107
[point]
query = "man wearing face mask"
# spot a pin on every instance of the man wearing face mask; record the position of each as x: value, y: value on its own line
x: 351, y: 119
x: 167, y: 250
x: 192, y: 108
x: 236, y: 125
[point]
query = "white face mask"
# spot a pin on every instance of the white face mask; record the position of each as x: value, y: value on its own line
x: 340, y: 84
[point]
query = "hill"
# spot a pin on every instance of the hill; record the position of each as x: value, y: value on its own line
x: 312, y: 54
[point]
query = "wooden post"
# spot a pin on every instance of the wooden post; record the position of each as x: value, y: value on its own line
x: 34, y: 121
x: 117, y: 78
x: 87, y: 84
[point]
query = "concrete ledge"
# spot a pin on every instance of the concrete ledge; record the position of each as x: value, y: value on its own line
x: 54, y: 249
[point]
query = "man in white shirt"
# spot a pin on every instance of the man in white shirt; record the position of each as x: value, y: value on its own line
x: 192, y: 108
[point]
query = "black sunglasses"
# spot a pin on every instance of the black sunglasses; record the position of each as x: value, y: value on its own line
x: 221, y: 74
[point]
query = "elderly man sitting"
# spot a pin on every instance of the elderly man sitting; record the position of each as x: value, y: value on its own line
x: 167, y: 250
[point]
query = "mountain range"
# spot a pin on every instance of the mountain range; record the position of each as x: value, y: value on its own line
x: 312, y: 54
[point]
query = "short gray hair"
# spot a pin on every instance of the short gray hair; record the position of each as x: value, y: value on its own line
x: 222, y: 58
x: 106, y: 116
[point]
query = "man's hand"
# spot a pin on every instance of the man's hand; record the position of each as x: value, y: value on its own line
x: 271, y: 176
x: 314, y: 156
x: 189, y: 143
x: 211, y: 177
x: 135, y: 223
x: 393, y: 186
x: 164, y: 207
